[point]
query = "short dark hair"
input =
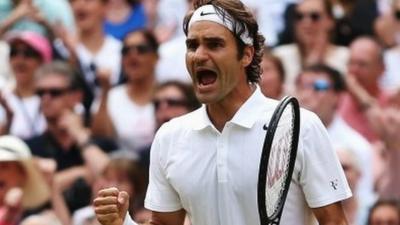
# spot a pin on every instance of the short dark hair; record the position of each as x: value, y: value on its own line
x: 60, y: 68
x: 185, y: 89
x: 148, y: 35
x: 335, y: 76
x: 394, y: 203
x: 245, y: 20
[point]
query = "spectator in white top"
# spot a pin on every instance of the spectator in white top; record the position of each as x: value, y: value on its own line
x: 96, y: 51
x: 313, y: 24
x: 20, y: 113
x: 126, y: 112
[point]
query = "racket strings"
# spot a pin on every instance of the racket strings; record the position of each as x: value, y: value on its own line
x: 278, y: 166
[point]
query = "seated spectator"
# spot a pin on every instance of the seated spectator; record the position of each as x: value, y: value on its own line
x: 366, y: 66
x: 319, y: 89
x: 20, y: 114
x: 384, y: 212
x: 123, y: 17
x: 387, y: 26
x: 171, y: 99
x: 22, y: 185
x: 313, y: 24
x: 125, y: 112
x: 93, y: 47
x: 66, y: 140
x: 272, y: 77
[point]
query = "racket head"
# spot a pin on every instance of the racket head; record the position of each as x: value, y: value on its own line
x: 278, y: 160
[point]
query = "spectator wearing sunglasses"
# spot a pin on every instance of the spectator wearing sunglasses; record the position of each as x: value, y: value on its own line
x: 319, y: 89
x: 126, y: 112
x: 313, y: 23
x: 19, y: 106
x: 66, y: 140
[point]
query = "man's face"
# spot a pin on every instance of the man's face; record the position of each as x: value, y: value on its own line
x: 88, y: 13
x: 270, y: 83
x: 213, y: 64
x: 24, y: 61
x: 138, y: 57
x: 169, y: 102
x: 55, y: 95
x: 315, y: 92
x: 311, y: 21
x: 12, y: 175
x: 364, y: 62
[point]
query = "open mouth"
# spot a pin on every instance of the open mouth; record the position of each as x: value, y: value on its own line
x: 206, y: 77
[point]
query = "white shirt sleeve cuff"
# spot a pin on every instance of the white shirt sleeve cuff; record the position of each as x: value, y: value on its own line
x: 128, y: 220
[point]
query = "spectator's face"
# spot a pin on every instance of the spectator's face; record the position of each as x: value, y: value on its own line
x: 385, y: 215
x: 315, y: 93
x: 12, y: 175
x: 270, y: 83
x: 24, y: 61
x: 213, y: 63
x: 139, y: 59
x: 364, y: 62
x: 88, y: 13
x: 169, y: 102
x: 55, y: 95
x: 312, y: 22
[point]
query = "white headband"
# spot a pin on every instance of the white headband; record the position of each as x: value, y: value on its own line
x: 209, y: 13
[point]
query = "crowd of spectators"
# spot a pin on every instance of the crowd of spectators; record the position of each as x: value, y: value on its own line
x: 85, y: 84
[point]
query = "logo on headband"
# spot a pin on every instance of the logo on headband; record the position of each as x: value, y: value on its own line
x: 206, y: 13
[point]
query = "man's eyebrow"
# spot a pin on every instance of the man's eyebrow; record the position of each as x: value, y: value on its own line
x: 214, y: 39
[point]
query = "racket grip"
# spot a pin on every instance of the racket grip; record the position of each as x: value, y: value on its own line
x: 128, y: 220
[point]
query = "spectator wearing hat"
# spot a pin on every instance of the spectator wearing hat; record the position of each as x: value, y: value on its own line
x: 22, y: 185
x: 19, y: 106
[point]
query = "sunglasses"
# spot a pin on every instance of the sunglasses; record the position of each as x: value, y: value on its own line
x: 314, y: 16
x: 170, y: 102
x: 140, y: 49
x: 52, y: 92
x: 25, y: 52
x: 319, y: 85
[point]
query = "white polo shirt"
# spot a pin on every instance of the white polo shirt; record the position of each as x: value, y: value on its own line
x: 213, y: 175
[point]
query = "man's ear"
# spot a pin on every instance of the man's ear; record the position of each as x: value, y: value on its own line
x: 248, y: 54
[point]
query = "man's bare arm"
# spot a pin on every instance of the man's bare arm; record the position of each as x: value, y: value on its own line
x: 331, y: 214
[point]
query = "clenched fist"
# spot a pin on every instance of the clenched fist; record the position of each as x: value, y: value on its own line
x: 111, y: 206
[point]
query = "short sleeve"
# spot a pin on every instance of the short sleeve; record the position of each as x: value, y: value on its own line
x: 161, y: 196
x: 321, y: 177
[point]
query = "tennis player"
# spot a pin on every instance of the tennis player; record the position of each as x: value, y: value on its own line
x: 205, y: 164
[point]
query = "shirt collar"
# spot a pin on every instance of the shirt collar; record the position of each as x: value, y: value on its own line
x: 246, y: 116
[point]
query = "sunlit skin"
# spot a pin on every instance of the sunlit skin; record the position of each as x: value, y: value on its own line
x: 323, y: 103
x: 270, y: 83
x: 307, y: 31
x: 364, y: 63
x: 136, y: 66
x: 12, y: 175
x: 23, y: 67
x: 52, y: 107
x: 212, y: 47
x: 385, y: 215
x: 165, y: 112
x: 88, y: 13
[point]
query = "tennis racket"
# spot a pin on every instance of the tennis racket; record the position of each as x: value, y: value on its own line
x: 277, y: 160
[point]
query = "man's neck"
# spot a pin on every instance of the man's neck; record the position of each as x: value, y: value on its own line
x: 222, y: 112
x: 92, y: 39
x: 24, y: 91
x: 141, y: 91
